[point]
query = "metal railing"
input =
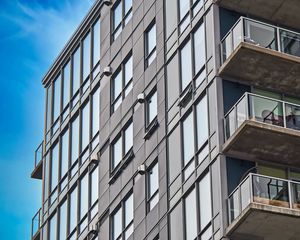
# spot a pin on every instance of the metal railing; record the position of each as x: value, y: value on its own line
x: 263, y: 190
x: 38, y: 154
x: 260, y: 34
x: 261, y: 109
x: 36, y: 223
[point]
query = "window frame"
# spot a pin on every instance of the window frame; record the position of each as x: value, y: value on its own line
x: 194, y: 83
x: 122, y: 206
x: 125, y: 18
x: 150, y: 197
x: 149, y: 123
x: 150, y: 53
x: 122, y: 137
x: 125, y: 86
x: 197, y: 149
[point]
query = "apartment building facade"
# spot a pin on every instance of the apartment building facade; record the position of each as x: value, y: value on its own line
x: 174, y: 119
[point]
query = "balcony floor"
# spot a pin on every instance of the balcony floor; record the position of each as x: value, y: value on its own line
x: 265, y: 222
x: 37, y: 172
x: 253, y: 65
x: 262, y: 142
x: 285, y: 12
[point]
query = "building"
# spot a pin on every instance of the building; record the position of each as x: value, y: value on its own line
x: 174, y: 120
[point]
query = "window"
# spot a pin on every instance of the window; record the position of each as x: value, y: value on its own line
x: 122, y: 13
x: 153, y: 186
x: 75, y: 140
x: 122, y: 220
x: 96, y: 112
x: 53, y: 227
x: 85, y: 126
x: 151, y: 108
x: 193, y: 59
x: 63, y: 221
x: 76, y: 71
x: 188, y: 138
x: 121, y: 83
x: 185, y: 14
x: 121, y: 145
x: 49, y: 107
x: 150, y: 44
x: 66, y: 84
x: 64, y: 154
x: 190, y: 216
x: 194, y: 141
x: 84, y: 194
x: 202, y: 122
x: 73, y: 210
x: 197, y: 213
x: 56, y: 99
x: 86, y: 56
x: 94, y: 192
x: 96, y: 43
x: 205, y: 201
x: 186, y: 65
x: 54, y: 166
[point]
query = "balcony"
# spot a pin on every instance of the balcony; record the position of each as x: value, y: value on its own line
x: 262, y: 55
x: 285, y: 12
x: 263, y: 207
x: 36, y: 226
x: 263, y: 129
x: 37, y: 172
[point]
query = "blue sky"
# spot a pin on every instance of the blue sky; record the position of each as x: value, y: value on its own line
x: 32, y: 33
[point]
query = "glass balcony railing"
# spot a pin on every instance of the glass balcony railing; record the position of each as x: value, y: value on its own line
x: 262, y: 109
x: 38, y: 155
x: 260, y: 34
x: 263, y: 190
x: 36, y: 224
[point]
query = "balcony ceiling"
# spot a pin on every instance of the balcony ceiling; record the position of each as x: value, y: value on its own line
x: 263, y: 222
x: 285, y: 12
x: 261, y: 67
x: 262, y: 142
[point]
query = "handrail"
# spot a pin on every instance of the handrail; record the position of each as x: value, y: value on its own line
x: 36, y: 218
x: 38, y: 151
x: 249, y: 108
x: 287, y: 187
x: 242, y: 20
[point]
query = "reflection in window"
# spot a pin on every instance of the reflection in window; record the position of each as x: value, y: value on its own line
x: 199, y: 48
x: 122, y: 13
x: 56, y: 99
x: 117, y: 152
x: 121, y: 145
x: 191, y: 216
x: 122, y: 220
x: 150, y: 44
x: 53, y: 228
x: 96, y: 112
x: 86, y: 58
x: 66, y: 85
x: 76, y: 71
x: 75, y: 140
x: 94, y: 186
x: 186, y: 65
x: 96, y: 42
x: 153, y: 185
x: 54, y: 166
x: 85, y: 126
x: 73, y: 210
x: 63, y: 221
x: 205, y: 201
x: 84, y: 193
x: 49, y: 107
x: 121, y: 83
x: 176, y: 225
x: 188, y: 138
x: 64, y: 153
x: 202, y: 121
x: 151, y: 108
